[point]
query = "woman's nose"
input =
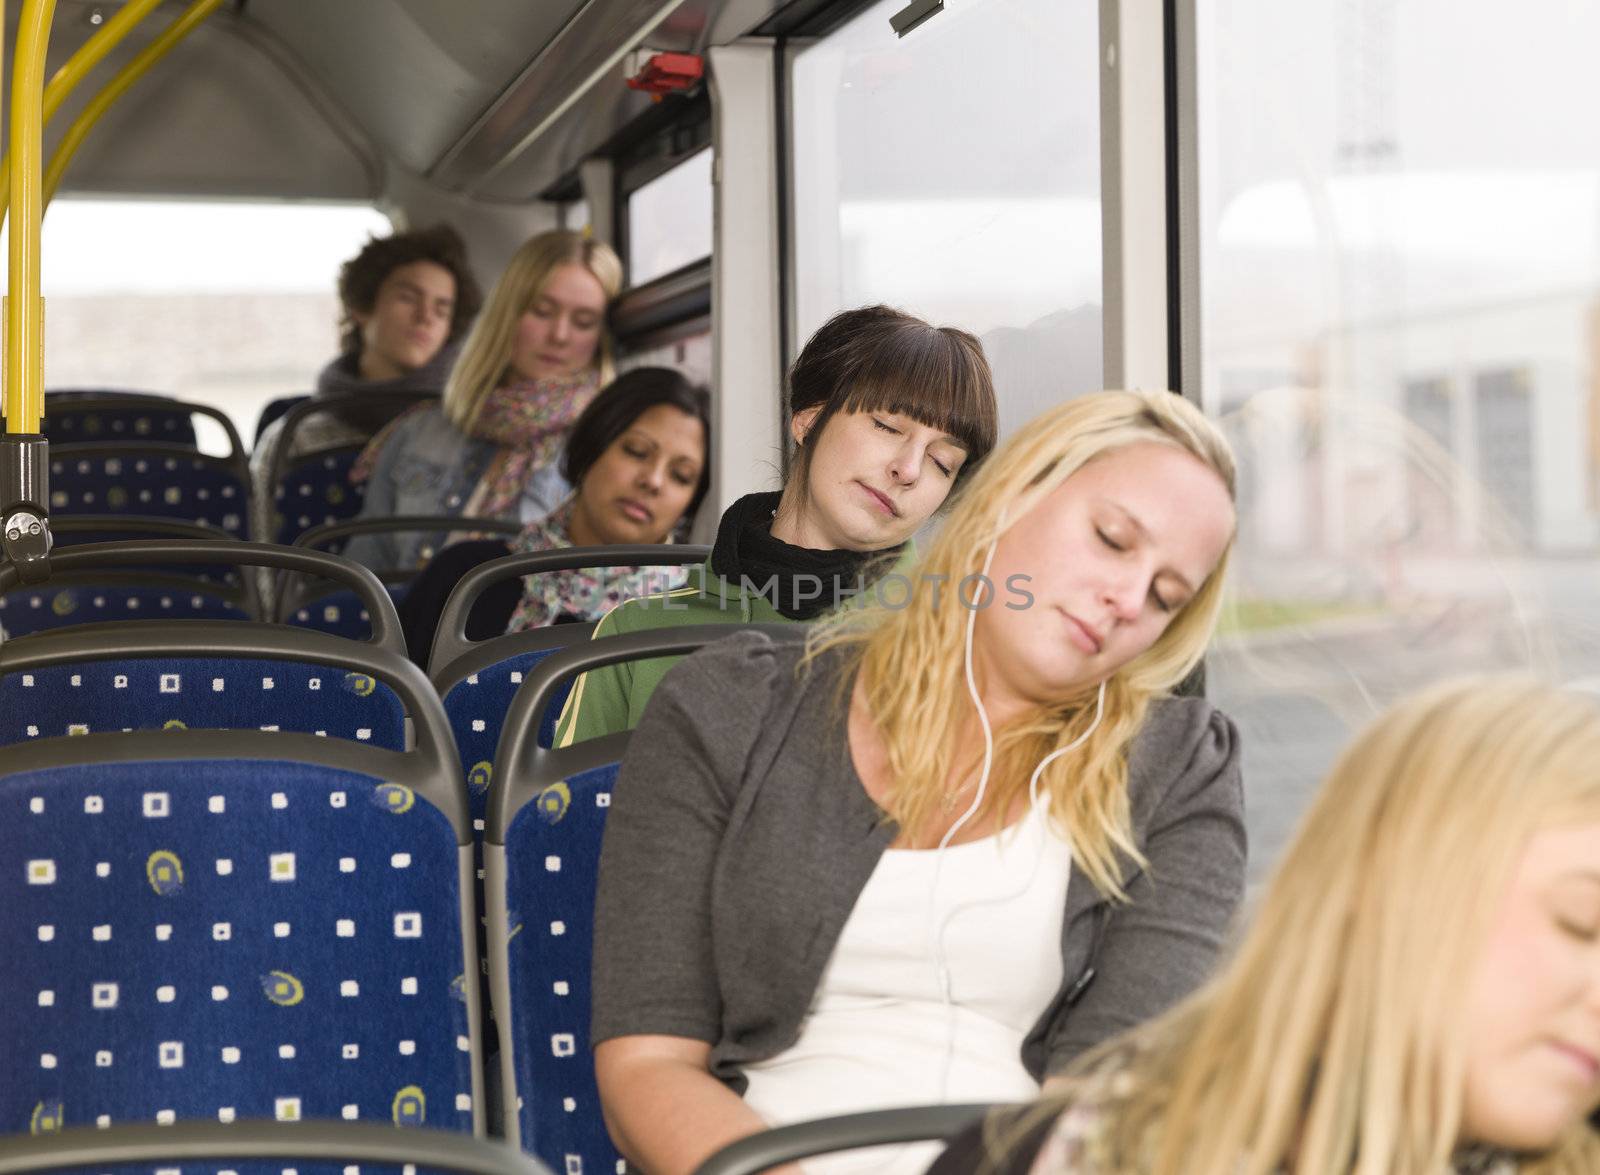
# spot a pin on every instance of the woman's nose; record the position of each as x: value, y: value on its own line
x: 905, y: 465
x: 1124, y: 597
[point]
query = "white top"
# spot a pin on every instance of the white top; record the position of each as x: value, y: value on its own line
x: 880, y: 1032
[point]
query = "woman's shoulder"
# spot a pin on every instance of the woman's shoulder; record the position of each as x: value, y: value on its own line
x: 748, y: 659
x: 1182, y: 738
x: 1184, y: 763
x: 730, y: 692
x: 422, y: 428
x: 683, y: 605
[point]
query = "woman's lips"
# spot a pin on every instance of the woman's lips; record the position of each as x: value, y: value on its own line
x: 1586, y: 1062
x: 881, y: 499
x: 1082, y: 635
x: 634, y: 510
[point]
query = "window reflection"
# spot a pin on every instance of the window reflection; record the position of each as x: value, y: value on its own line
x: 669, y: 220
x: 956, y: 174
x: 1401, y: 261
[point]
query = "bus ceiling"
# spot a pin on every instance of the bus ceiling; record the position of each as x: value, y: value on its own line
x: 426, y: 108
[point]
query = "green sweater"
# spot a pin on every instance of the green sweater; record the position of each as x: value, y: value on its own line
x: 613, y: 697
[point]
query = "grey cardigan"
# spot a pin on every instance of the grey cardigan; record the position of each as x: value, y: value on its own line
x: 740, y: 837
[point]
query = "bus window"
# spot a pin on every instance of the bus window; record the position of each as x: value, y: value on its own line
x: 575, y: 215
x: 956, y: 174
x: 1399, y: 270
x: 690, y: 354
x: 229, y: 304
x: 669, y: 220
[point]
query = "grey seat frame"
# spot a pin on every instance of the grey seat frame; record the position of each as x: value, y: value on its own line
x: 293, y: 590
x: 523, y: 769
x: 802, y: 1140
x: 386, y: 632
x: 357, y: 1142
x: 450, y: 643
x: 296, y: 416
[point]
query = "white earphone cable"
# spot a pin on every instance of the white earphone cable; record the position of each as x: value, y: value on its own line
x: 936, y: 925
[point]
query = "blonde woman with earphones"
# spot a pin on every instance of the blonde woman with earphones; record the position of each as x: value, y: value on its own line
x: 953, y: 840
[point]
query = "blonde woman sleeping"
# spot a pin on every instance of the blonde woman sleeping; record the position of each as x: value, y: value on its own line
x: 959, y: 838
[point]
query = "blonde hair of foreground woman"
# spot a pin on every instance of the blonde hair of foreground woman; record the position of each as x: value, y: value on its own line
x: 1336, y: 1040
x: 911, y: 657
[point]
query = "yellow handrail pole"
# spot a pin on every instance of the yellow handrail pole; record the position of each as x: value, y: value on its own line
x: 24, y: 309
x: 93, y: 51
x: 117, y: 86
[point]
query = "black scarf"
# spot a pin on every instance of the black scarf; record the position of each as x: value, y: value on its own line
x: 341, y: 381
x: 788, y: 577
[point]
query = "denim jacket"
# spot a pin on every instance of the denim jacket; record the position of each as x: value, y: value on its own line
x: 429, y: 466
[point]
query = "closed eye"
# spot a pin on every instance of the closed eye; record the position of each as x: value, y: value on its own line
x: 886, y: 428
x: 1582, y: 931
x: 1109, y: 541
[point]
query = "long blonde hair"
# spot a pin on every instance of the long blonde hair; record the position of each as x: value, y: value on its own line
x: 911, y: 658
x: 1335, y: 1037
x: 486, y: 355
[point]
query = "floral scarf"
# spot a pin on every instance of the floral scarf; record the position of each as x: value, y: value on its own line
x: 528, y: 422
x: 589, y: 592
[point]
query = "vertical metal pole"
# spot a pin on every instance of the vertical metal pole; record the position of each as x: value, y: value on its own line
x: 24, y: 313
x: 24, y: 453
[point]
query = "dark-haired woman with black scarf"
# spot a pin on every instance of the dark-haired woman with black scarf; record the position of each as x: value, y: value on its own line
x: 888, y: 415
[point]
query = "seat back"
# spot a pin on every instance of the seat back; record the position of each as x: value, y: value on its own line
x: 211, y: 925
x: 274, y: 411
x: 85, y: 599
x: 109, y: 416
x: 545, y: 817
x: 477, y: 692
x: 77, y: 530
x: 162, y: 554
x: 166, y: 481
x: 202, y: 675
x: 824, y: 1136
x: 342, y: 613
x: 316, y: 491
x: 450, y: 644
x: 478, y: 679
x: 321, y: 437
x: 217, y: 675
x: 133, y: 591
x: 303, y: 601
